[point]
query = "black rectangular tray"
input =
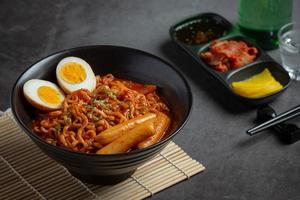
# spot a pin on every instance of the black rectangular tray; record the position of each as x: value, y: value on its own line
x: 263, y: 60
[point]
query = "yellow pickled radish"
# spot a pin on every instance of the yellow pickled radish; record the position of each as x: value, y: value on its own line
x: 259, y: 85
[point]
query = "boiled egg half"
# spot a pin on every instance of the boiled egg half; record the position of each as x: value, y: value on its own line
x: 43, y: 95
x: 74, y: 73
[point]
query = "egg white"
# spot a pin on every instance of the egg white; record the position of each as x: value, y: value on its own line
x: 89, y: 82
x: 30, y: 90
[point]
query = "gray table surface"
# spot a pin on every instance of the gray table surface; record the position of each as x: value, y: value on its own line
x: 238, y: 166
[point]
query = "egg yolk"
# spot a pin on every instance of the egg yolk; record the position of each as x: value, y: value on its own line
x: 49, y: 95
x: 72, y: 72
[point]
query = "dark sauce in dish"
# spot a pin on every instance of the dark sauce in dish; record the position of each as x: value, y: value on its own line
x: 200, y: 31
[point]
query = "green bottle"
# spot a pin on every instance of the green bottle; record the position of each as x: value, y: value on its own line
x: 262, y: 19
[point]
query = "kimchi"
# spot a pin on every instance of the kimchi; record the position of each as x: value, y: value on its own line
x: 229, y: 54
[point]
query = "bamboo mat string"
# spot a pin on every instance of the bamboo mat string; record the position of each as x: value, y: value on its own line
x: 141, y: 184
x: 21, y: 178
x: 95, y: 196
x: 187, y: 176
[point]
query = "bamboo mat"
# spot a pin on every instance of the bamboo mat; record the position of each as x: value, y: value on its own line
x: 13, y: 186
x: 42, y: 178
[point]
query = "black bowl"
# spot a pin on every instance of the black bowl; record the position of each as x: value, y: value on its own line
x: 124, y: 63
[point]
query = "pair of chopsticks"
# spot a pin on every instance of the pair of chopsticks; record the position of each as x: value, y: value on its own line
x: 292, y: 113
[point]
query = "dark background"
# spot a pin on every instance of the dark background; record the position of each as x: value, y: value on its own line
x: 238, y: 166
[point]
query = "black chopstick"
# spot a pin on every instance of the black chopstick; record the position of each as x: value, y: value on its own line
x: 294, y: 112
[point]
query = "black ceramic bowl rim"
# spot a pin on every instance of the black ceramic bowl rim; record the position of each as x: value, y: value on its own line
x: 166, y: 139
